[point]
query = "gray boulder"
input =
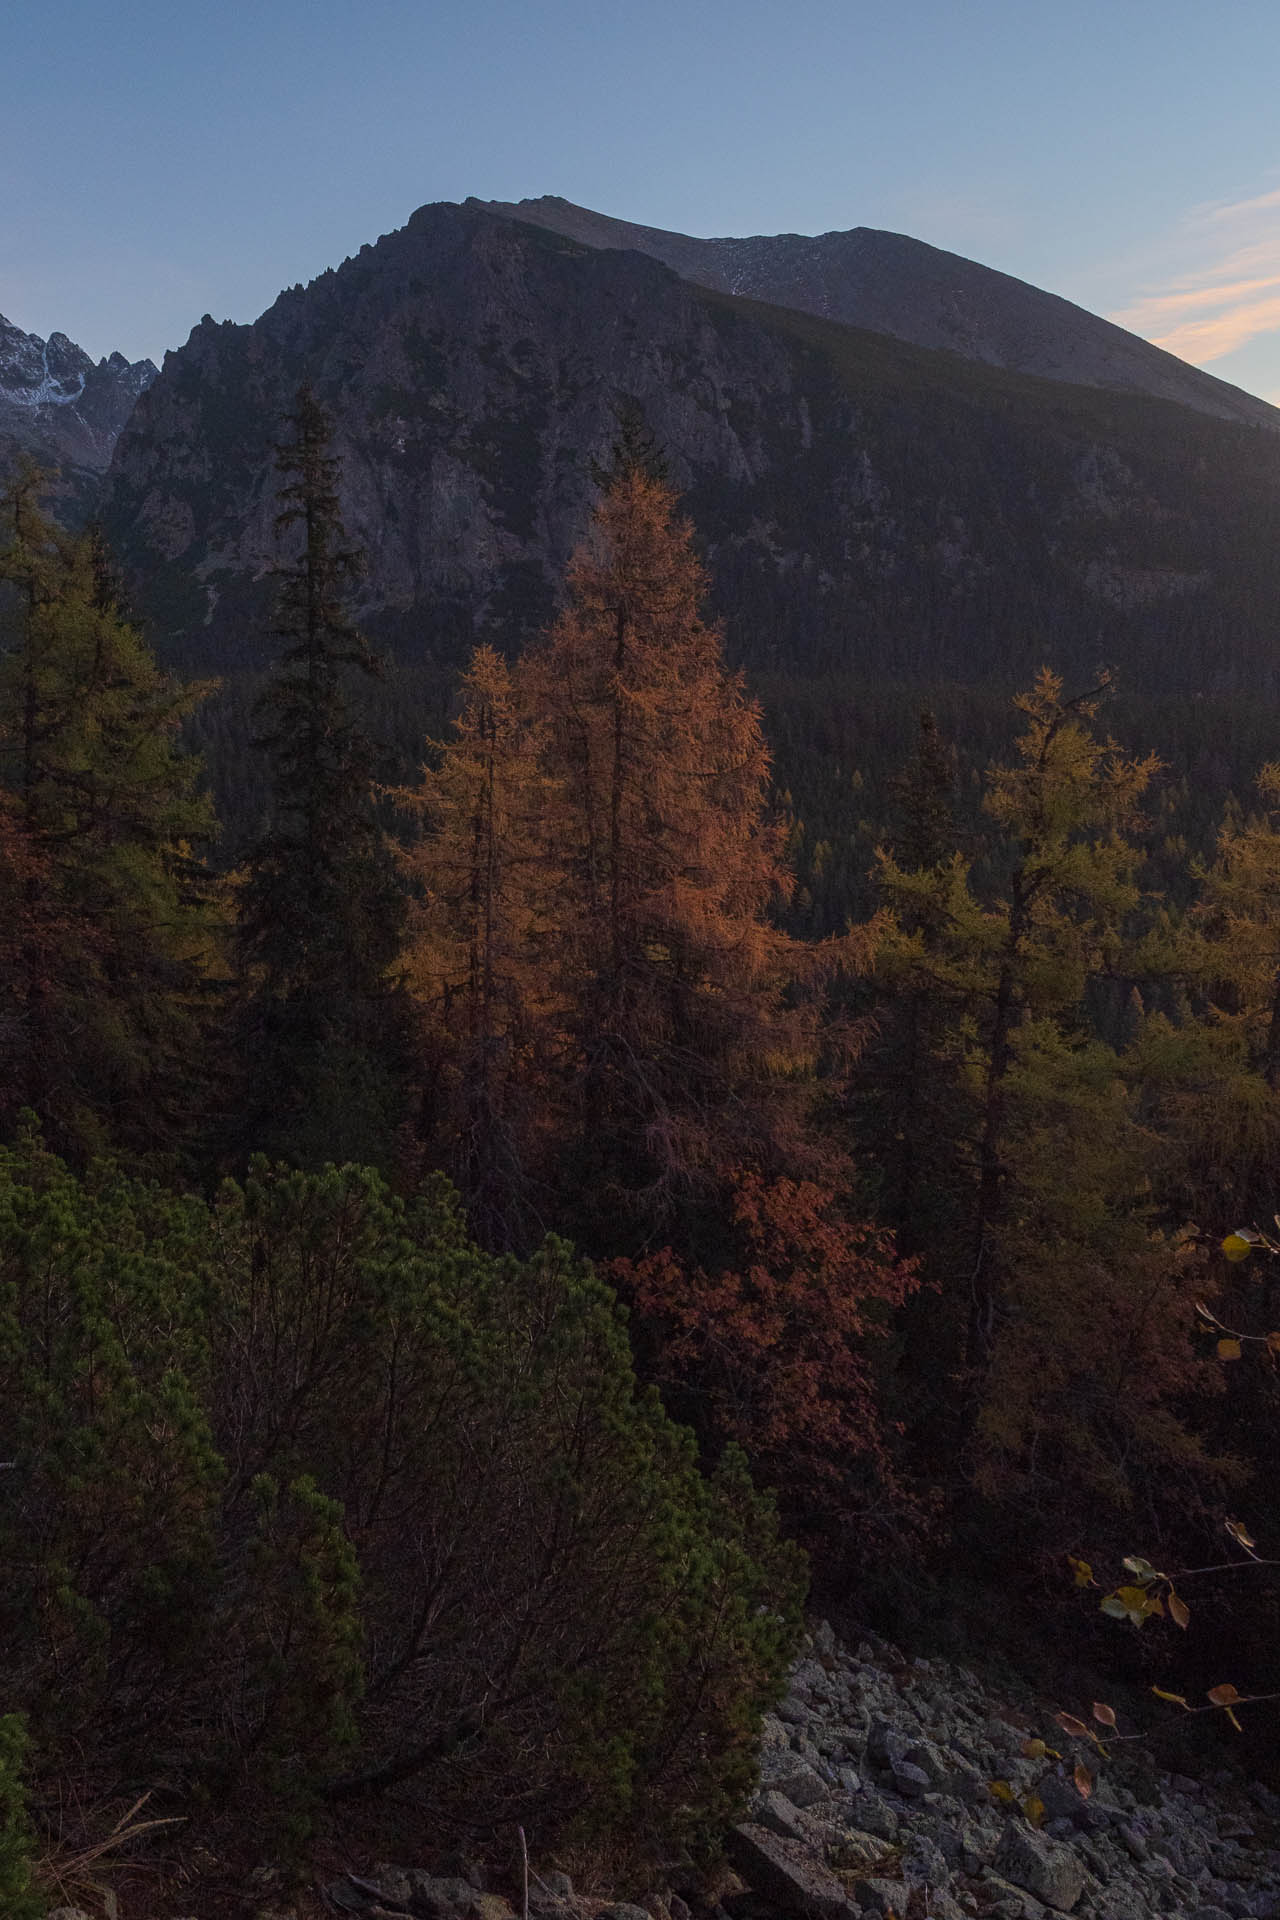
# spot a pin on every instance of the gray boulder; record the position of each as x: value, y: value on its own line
x: 886, y: 1744
x: 1044, y: 1867
x: 773, y: 1810
x: 784, y: 1772
x: 910, y: 1781
x: 882, y: 1896
x: 785, y: 1874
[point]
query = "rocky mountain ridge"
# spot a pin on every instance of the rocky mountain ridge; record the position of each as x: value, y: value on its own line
x: 893, y: 284
x: 865, y: 505
x: 62, y: 407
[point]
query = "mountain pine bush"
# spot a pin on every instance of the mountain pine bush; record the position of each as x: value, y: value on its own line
x: 312, y: 1499
x: 19, y: 1899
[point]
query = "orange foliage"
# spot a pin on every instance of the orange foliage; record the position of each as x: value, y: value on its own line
x: 624, y: 1033
x: 776, y: 1344
x: 477, y: 958
x: 690, y: 1051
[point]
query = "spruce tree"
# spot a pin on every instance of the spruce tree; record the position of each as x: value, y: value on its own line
x: 910, y: 1068
x: 320, y: 911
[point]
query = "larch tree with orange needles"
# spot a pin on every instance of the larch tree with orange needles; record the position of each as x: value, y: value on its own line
x: 690, y: 1054
x: 631, y: 1036
x: 477, y: 960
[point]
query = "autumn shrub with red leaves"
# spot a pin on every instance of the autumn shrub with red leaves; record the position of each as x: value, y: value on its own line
x: 775, y: 1347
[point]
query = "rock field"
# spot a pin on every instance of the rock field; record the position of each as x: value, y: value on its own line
x: 876, y: 1794
x: 876, y: 1797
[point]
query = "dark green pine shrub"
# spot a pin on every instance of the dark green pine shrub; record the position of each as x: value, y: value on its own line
x: 19, y: 1899
x: 312, y: 1501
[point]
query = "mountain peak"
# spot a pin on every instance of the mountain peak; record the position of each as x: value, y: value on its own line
x: 60, y: 407
x: 891, y: 283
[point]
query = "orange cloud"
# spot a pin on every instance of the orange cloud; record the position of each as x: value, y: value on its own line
x: 1229, y: 295
x: 1200, y: 340
x: 1156, y: 308
x: 1242, y: 209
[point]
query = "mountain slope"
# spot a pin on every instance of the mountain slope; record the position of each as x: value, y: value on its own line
x: 64, y: 410
x: 866, y: 506
x: 893, y: 284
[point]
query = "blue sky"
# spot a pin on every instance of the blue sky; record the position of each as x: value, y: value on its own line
x: 163, y: 163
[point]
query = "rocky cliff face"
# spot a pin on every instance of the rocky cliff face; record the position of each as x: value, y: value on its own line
x: 865, y: 505
x: 473, y: 368
x: 60, y: 407
x: 900, y: 286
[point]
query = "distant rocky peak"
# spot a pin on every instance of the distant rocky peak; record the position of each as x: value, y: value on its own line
x: 63, y: 409
x: 56, y: 372
x: 40, y: 373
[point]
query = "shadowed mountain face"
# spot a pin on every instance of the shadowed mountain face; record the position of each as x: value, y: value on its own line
x: 893, y: 284
x: 62, y: 409
x: 866, y: 506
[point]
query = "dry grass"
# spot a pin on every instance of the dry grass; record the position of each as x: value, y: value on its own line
x: 67, y: 1871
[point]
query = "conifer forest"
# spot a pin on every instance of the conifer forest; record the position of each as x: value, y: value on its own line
x: 560, y: 1174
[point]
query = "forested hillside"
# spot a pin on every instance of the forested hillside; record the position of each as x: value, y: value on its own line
x: 339, y: 1494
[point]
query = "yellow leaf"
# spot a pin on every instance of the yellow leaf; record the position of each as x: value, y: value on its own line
x: 1033, y: 1807
x: 1083, y: 1779
x: 1224, y: 1696
x: 1179, y: 1611
x: 1235, y: 1723
x: 1081, y: 1568
x: 1104, y: 1714
x: 1176, y: 1698
x: 1001, y: 1790
x: 1236, y: 1247
x: 1034, y: 1750
x: 1228, y: 1349
x: 1138, y: 1602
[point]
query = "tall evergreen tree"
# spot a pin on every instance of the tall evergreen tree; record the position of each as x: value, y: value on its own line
x: 320, y: 910
x: 111, y: 929
x: 911, y: 1071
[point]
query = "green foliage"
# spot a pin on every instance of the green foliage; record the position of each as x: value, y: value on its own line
x: 110, y: 910
x: 108, y: 1514
x: 19, y: 1899
x: 1066, y: 1282
x: 1086, y: 1395
x: 312, y: 1499
x: 295, y: 1652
